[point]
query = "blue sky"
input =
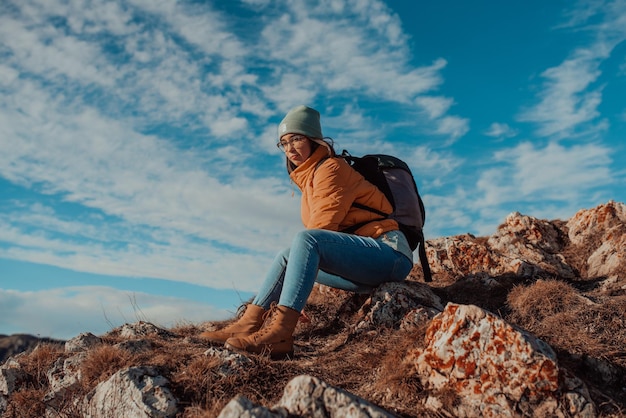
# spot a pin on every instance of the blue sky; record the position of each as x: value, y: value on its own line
x: 139, y: 177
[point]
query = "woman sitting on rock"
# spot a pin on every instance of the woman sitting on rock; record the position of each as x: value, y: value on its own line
x: 332, y: 192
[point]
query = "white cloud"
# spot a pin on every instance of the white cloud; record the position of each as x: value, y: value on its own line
x: 425, y: 160
x: 435, y: 107
x: 100, y: 163
x: 453, y: 127
x: 500, y: 130
x: 8, y: 75
x: 46, y: 50
x: 164, y: 255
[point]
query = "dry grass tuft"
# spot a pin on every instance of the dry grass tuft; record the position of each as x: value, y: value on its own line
x: 195, y: 382
x: 557, y: 313
x: 27, y: 403
x: 38, y: 362
x: 531, y: 305
x: 103, y: 362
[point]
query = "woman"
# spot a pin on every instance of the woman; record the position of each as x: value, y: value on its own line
x: 374, y: 253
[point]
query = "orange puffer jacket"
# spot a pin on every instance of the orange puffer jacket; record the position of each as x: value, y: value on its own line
x: 328, y: 192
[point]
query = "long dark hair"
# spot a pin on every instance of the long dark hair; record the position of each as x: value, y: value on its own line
x: 315, y: 144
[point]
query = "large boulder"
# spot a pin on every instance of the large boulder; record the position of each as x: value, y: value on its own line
x: 493, y: 368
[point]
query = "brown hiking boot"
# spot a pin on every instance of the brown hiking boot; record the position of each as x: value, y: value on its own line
x: 275, y: 338
x: 249, y: 323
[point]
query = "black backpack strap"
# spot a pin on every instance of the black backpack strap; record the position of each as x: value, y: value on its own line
x: 367, y: 208
x: 423, y: 259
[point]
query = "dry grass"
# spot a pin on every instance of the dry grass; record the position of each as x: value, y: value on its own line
x: 27, y: 403
x: 555, y: 311
x: 396, y: 384
x: 103, y: 362
x: 39, y: 362
x: 589, y: 336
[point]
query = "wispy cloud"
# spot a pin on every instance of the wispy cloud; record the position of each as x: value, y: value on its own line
x: 566, y: 102
x: 330, y: 49
x: 572, y: 91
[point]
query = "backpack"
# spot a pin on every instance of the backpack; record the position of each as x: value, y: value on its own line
x: 394, y: 178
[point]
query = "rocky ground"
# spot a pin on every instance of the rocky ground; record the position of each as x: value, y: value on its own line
x: 530, y: 321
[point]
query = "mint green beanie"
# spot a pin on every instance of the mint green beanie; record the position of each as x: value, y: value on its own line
x: 301, y: 120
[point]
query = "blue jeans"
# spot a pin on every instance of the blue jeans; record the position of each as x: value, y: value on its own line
x: 344, y: 261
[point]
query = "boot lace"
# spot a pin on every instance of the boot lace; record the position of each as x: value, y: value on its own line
x: 268, y: 319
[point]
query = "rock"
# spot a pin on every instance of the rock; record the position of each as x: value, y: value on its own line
x: 63, y: 378
x: 133, y: 392
x: 461, y: 255
x: 398, y: 303
x: 309, y: 396
x: 242, y: 407
x: 143, y: 329
x: 82, y: 342
x: 11, y: 374
x: 230, y: 362
x: 586, y: 224
x: 135, y: 346
x: 531, y: 244
x: 576, y: 398
x: 417, y: 317
x: 493, y: 368
x: 608, y: 258
x: 601, y: 234
x: 519, y: 231
x: 522, y: 245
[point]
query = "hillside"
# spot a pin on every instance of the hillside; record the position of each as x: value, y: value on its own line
x: 11, y: 345
x: 530, y: 321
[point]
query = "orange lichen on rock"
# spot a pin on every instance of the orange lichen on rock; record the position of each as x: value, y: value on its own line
x: 474, y: 352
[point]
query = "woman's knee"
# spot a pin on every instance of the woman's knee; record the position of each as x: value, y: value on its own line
x: 282, y: 256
